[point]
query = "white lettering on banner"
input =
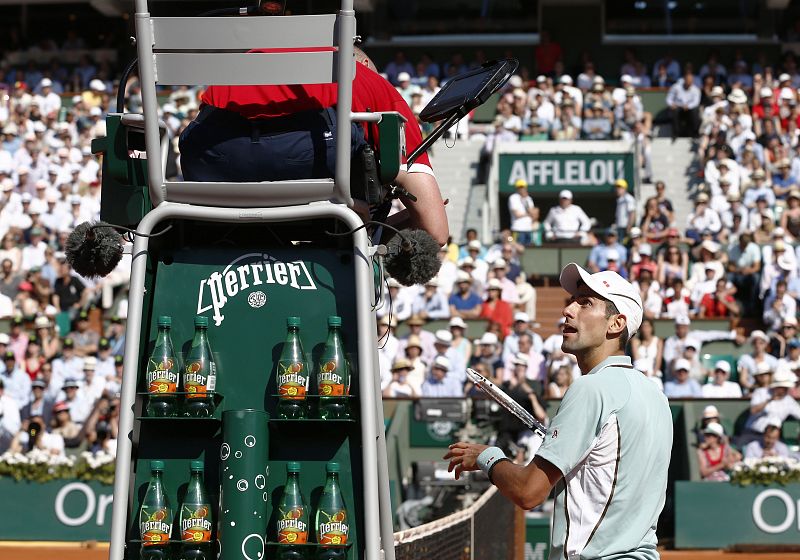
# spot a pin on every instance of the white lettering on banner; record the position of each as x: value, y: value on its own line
x: 215, y: 291
x: 598, y: 172
x: 89, y: 509
x: 791, y: 511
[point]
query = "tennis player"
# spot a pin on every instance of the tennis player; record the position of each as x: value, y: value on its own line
x: 607, y: 450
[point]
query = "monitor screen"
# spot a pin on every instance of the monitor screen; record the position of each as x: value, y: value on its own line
x: 468, y: 90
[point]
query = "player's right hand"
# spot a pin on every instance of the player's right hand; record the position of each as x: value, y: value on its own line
x: 463, y: 457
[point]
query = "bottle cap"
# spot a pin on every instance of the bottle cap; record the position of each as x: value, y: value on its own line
x: 292, y: 467
x: 197, y: 466
x: 292, y: 321
x: 334, y: 321
x: 332, y: 467
x: 156, y: 465
x: 200, y: 321
x: 165, y: 321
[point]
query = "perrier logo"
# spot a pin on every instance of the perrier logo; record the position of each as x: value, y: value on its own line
x: 335, y: 529
x: 195, y: 526
x: 291, y: 527
x: 160, y: 377
x: 291, y: 381
x: 243, y: 274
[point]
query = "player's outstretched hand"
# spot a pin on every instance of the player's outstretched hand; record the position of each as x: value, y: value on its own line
x: 463, y: 457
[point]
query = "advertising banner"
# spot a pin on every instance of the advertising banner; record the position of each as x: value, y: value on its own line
x: 719, y: 514
x: 60, y: 510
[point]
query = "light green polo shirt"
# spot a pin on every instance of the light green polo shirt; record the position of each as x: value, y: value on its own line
x: 611, y: 439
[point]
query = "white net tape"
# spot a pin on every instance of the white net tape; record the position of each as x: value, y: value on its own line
x: 415, y: 533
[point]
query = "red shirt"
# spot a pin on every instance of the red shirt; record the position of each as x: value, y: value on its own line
x: 714, y: 307
x: 502, y: 314
x: 370, y: 93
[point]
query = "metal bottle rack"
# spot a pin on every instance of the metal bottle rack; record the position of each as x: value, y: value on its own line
x: 174, y: 274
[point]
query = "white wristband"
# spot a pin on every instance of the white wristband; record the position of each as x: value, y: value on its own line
x: 489, y: 457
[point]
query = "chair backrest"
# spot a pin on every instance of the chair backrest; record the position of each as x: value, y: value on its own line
x: 215, y: 51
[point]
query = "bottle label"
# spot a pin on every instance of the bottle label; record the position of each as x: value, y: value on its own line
x: 291, y: 527
x: 329, y: 381
x: 196, y: 382
x: 333, y: 528
x: 155, y: 526
x: 195, y: 523
x: 160, y: 376
x: 292, y: 380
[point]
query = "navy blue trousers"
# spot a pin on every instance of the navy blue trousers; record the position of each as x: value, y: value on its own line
x: 221, y: 145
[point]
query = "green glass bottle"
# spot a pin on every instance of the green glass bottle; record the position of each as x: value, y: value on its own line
x: 292, y: 374
x: 331, y: 521
x: 292, y: 526
x: 333, y: 374
x: 155, y: 517
x: 195, y: 518
x: 163, y: 372
x: 199, y: 373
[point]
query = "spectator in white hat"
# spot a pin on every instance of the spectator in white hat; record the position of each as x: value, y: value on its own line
x: 770, y: 444
x: 499, y: 271
x: 521, y: 325
x: 748, y: 364
x: 49, y: 101
x: 461, y: 344
x: 720, y: 387
x: 567, y: 222
x: 431, y: 304
x: 776, y: 404
x: 440, y: 382
x: 681, y: 386
x: 443, y: 344
x: 489, y: 353
x: 535, y: 365
x: 716, y: 456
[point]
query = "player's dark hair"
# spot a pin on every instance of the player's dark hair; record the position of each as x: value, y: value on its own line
x: 611, y: 310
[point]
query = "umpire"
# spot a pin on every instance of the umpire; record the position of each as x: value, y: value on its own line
x: 607, y: 449
x: 272, y: 133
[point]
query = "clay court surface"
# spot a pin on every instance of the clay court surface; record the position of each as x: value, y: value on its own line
x: 99, y: 551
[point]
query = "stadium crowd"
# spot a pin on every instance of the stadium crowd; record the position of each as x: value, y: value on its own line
x: 733, y: 257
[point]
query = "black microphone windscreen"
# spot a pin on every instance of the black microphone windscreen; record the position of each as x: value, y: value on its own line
x: 414, y: 266
x: 94, y: 251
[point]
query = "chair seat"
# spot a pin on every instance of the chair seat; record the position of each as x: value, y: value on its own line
x: 244, y: 195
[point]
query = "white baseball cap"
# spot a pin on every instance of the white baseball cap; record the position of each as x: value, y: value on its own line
x: 682, y: 363
x: 683, y: 320
x: 457, y: 322
x: 442, y: 362
x: 46, y: 82
x: 565, y: 79
x: 711, y: 411
x: 522, y: 316
x: 520, y: 359
x: 608, y: 285
x: 714, y: 428
x: 723, y: 365
x: 443, y: 336
x: 566, y: 193
x: 403, y: 77
x: 488, y: 338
